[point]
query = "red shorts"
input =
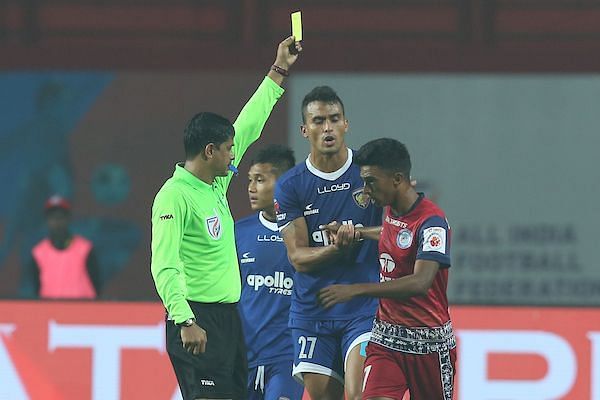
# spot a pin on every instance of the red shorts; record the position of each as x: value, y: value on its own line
x: 390, y: 373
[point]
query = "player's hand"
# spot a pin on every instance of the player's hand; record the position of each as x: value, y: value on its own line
x: 335, y: 294
x: 194, y: 339
x: 331, y: 230
x: 346, y: 236
x: 284, y: 58
x: 340, y: 235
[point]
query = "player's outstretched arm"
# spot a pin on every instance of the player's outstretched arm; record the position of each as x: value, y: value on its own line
x: 303, y: 257
x: 417, y: 284
x: 369, y: 232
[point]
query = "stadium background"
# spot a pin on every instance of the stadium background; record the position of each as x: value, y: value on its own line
x: 497, y: 101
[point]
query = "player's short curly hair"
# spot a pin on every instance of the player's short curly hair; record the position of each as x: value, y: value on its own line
x: 205, y: 128
x: 279, y: 156
x: 321, y: 93
x: 385, y: 153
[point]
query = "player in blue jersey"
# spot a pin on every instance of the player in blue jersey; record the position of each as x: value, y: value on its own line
x: 267, y: 283
x: 327, y: 187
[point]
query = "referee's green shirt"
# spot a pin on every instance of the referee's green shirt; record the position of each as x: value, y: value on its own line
x: 193, y: 244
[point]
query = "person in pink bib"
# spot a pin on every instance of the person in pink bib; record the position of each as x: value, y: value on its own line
x: 63, y: 265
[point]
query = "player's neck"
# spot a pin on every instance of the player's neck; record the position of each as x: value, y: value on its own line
x: 329, y: 162
x: 404, y: 202
x: 269, y: 215
x: 200, y: 170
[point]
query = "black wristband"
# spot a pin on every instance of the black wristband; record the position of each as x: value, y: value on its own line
x: 279, y: 70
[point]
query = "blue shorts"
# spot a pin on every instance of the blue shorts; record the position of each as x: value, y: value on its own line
x: 322, y: 347
x: 272, y: 382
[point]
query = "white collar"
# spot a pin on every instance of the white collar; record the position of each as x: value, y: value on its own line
x: 330, y: 176
x: 266, y: 223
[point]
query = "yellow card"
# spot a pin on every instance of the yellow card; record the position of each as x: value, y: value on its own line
x: 297, y: 25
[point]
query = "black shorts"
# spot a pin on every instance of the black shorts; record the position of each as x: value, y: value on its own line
x: 222, y: 371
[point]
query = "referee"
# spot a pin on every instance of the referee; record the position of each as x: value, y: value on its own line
x: 194, y: 261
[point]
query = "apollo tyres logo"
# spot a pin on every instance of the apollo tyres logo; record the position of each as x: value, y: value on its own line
x: 213, y: 225
x: 277, y: 283
x: 387, y: 264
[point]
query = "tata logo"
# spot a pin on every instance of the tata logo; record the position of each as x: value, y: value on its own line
x: 246, y: 258
x: 336, y: 187
x: 269, y: 238
x: 386, y: 262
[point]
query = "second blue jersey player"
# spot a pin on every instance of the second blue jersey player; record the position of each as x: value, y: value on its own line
x: 267, y: 283
x: 327, y: 187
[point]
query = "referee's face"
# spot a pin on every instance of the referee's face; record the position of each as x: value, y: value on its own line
x: 222, y: 157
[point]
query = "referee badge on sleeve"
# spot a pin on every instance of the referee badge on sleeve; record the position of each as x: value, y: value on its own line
x: 213, y: 225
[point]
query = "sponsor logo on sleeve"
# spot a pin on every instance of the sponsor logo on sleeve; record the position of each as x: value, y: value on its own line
x: 166, y: 216
x: 279, y: 215
x: 213, y: 225
x: 434, y: 239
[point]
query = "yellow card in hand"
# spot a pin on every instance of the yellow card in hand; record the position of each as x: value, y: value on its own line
x: 297, y: 25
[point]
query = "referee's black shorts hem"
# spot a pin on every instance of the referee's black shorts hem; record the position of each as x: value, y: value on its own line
x: 221, y: 372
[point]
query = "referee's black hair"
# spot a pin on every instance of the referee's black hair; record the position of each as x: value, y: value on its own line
x: 385, y: 153
x: 321, y: 93
x: 205, y: 128
x: 279, y: 156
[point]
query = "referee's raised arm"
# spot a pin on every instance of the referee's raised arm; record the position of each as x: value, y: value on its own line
x: 284, y: 60
x: 255, y: 113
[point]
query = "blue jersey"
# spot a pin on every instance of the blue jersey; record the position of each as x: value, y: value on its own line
x: 320, y: 198
x: 267, y: 283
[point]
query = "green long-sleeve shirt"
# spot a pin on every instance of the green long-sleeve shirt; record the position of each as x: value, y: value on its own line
x: 193, y: 244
